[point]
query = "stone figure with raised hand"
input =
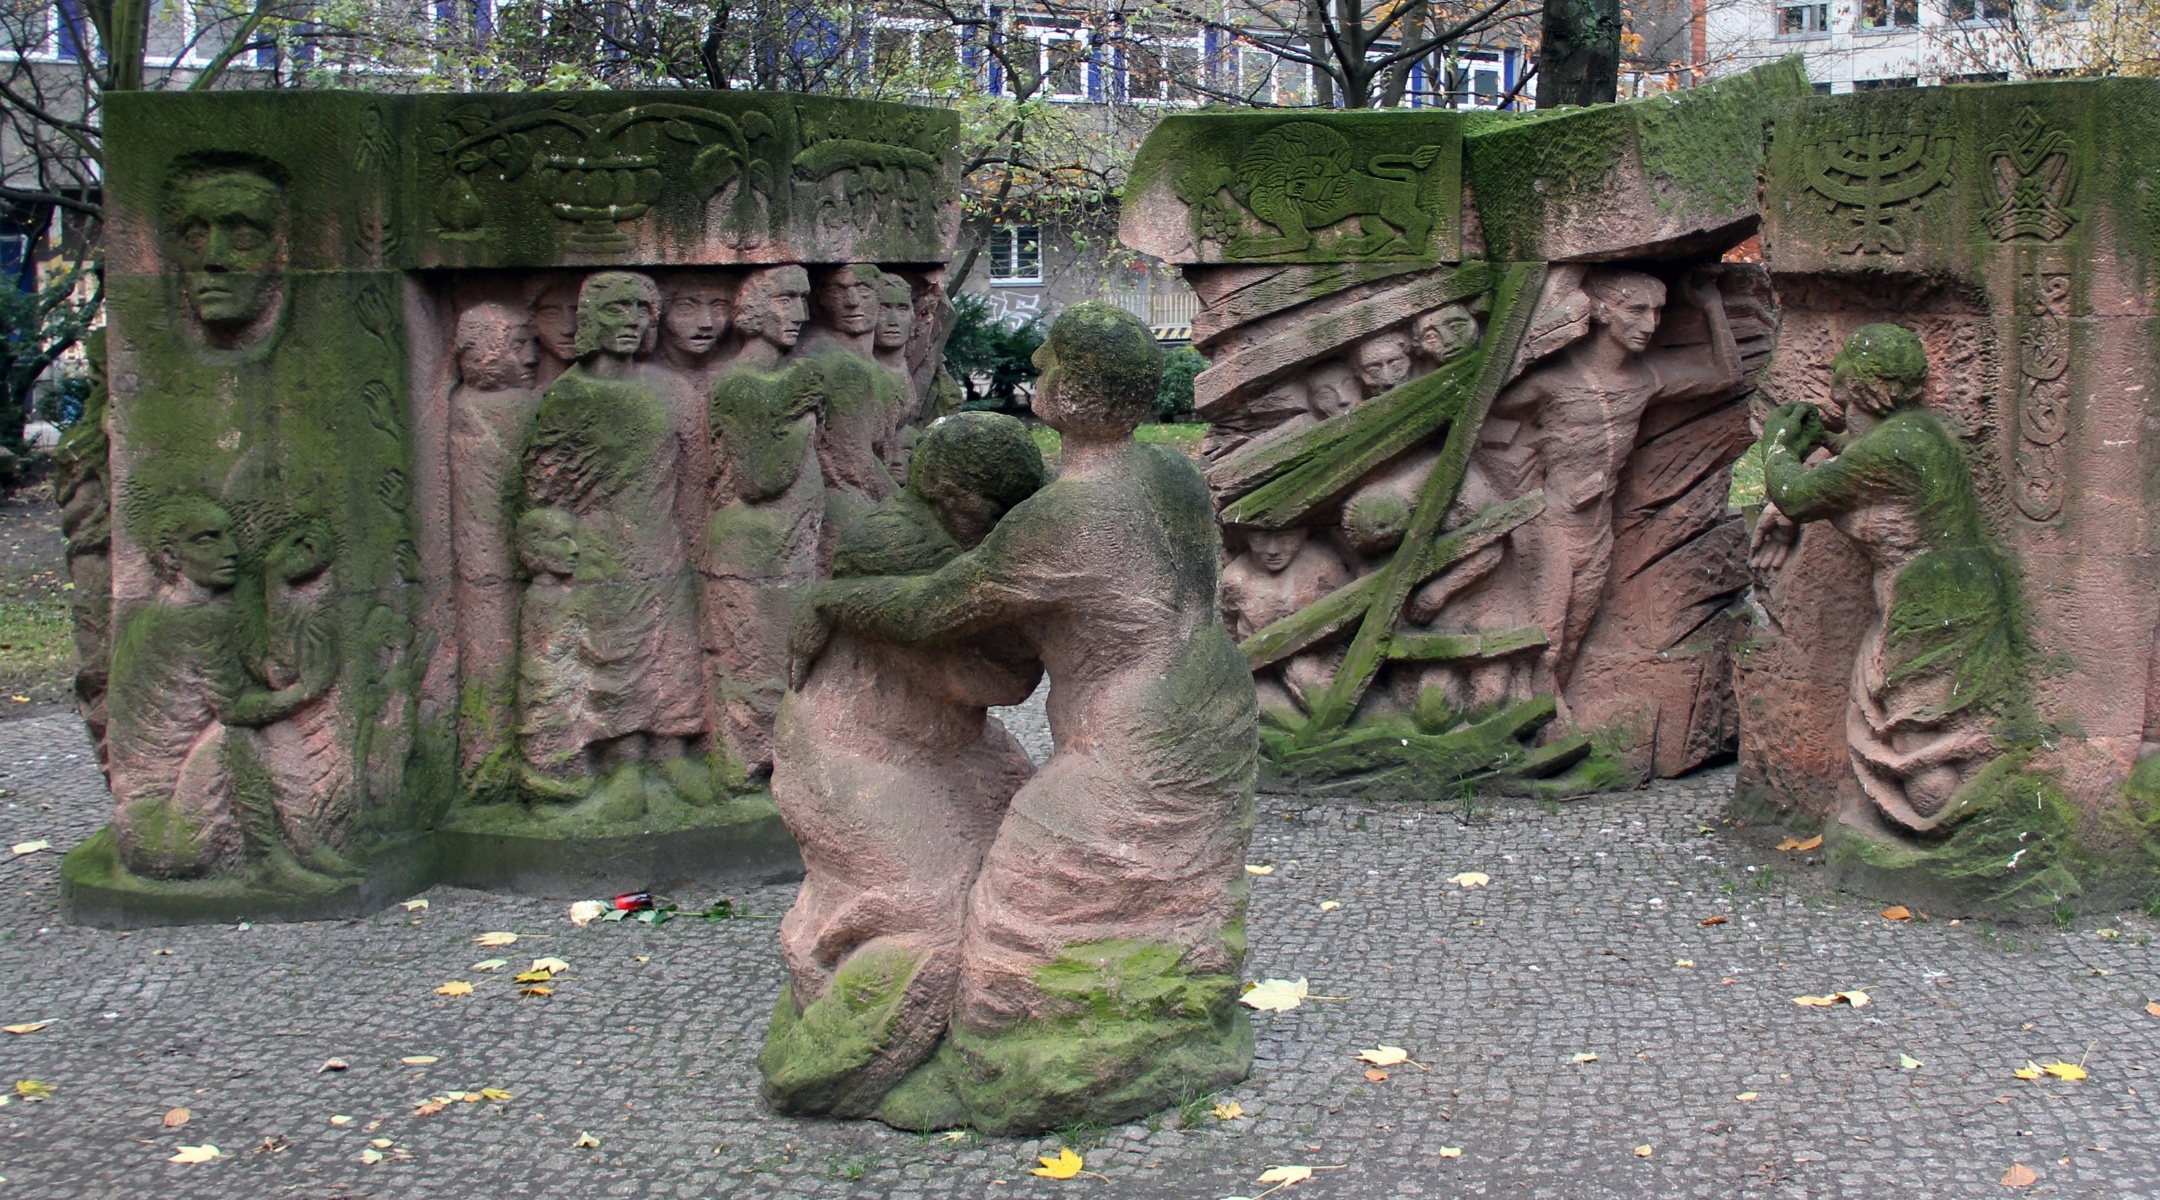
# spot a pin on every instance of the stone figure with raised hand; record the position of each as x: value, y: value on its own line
x: 603, y: 449
x: 491, y: 412
x: 180, y: 686
x: 1282, y: 572
x: 1569, y: 427
x: 225, y: 229
x: 1105, y: 930
x: 1946, y: 653
x: 894, y: 779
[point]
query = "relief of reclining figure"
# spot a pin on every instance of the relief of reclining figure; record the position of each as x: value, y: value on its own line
x: 1945, y: 652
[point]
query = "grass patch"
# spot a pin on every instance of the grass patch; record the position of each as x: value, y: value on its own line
x: 37, y: 645
x: 1185, y: 437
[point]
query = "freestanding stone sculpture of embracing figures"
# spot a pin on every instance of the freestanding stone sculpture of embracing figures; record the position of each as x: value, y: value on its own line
x: 1100, y: 951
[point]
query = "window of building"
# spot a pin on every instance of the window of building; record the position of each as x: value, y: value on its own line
x: 1820, y: 89
x: 1805, y: 20
x: 1963, y: 11
x: 1889, y: 14
x: 1015, y: 253
x: 1879, y: 85
x: 1159, y: 69
x: 71, y: 31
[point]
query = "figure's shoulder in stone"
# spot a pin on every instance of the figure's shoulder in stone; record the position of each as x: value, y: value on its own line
x: 901, y: 536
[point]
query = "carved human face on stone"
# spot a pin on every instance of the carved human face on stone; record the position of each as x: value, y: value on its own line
x: 554, y: 322
x: 774, y: 305
x: 1275, y: 548
x: 696, y: 317
x: 1627, y: 305
x: 547, y: 543
x: 1447, y: 333
x: 896, y: 312
x: 616, y: 314
x: 1384, y: 362
x: 847, y: 299
x: 227, y: 236
x: 195, y: 542
x: 1334, y: 389
x: 496, y: 349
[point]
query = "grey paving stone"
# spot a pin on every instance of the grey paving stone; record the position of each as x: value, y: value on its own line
x: 649, y: 1043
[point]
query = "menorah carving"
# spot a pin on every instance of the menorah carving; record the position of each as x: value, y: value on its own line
x: 1874, y: 173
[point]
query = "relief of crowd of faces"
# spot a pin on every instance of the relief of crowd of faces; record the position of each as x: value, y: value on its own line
x: 613, y: 435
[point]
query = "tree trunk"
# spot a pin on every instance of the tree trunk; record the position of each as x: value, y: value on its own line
x: 1579, y: 54
x: 1316, y: 43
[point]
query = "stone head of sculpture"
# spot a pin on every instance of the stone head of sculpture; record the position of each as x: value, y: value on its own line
x: 1275, y: 548
x: 547, y: 544
x: 617, y: 312
x: 301, y: 551
x: 1880, y: 368
x: 972, y: 467
x: 1383, y: 361
x: 191, y: 538
x: 896, y: 312
x: 225, y: 230
x: 773, y: 305
x: 1101, y: 369
x: 1334, y: 389
x: 1446, y: 333
x: 495, y: 348
x: 1625, y: 306
x: 847, y: 299
x: 555, y: 320
x: 696, y: 315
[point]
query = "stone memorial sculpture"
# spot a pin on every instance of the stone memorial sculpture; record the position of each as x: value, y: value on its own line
x: 894, y: 780
x: 227, y: 231
x: 603, y: 448
x: 555, y: 327
x: 491, y: 412
x: 1099, y: 956
x: 1282, y: 572
x: 1946, y: 653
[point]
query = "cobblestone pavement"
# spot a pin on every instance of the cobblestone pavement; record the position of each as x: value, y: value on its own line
x: 1580, y: 946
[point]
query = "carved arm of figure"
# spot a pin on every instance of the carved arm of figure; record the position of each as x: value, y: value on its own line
x: 242, y: 702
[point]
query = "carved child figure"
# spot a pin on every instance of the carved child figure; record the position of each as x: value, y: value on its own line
x: 603, y: 448
x: 893, y: 778
x: 491, y: 412
x: 1282, y: 572
x: 1946, y: 650
x: 1122, y: 859
x: 1334, y: 389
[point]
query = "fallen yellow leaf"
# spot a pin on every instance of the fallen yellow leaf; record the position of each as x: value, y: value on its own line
x: 1275, y: 995
x: 1330, y: 905
x: 1230, y: 1111
x: 331, y: 1064
x: 1384, y: 1056
x: 341, y: 1119
x: 1797, y: 844
x: 1064, y: 1166
x: 494, y: 1094
x: 1375, y: 1074
x: 555, y: 965
x: 195, y: 1154
x: 585, y: 912
x: 1586, y: 1056
x: 21, y: 848
x: 1745, y: 1097
x: 31, y: 1089
x: 1451, y: 1151
x: 1293, y: 1174
x: 1909, y: 1063
x: 456, y: 987
x: 497, y: 938
x: 177, y: 1117
x: 2019, y: 1175
x: 489, y: 964
x: 536, y: 989
x: 2066, y: 1070
x: 1645, y: 1151
x: 535, y: 976
x: 413, y: 905
x: 2151, y: 1006
x: 1250, y: 869
x: 370, y: 1155
x: 2031, y: 1070
x: 428, y: 1108
x: 1857, y: 999
x: 32, y: 1027
x: 1897, y: 912
x: 1471, y: 879
x: 1683, y: 962
x: 957, y: 1135
x: 419, y: 1060
x: 585, y: 1141
x: 380, y: 1143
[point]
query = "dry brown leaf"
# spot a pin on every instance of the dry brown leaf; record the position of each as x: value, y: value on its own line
x: 1789, y: 844
x: 555, y: 965
x: 2019, y: 1175
x: 331, y: 1064
x: 2153, y: 1007
x: 1330, y: 905
x: 1897, y: 912
x: 341, y: 1119
x: 1713, y: 920
x: 1375, y: 1074
x: 1384, y: 1056
x: 536, y: 989
x: 1471, y: 879
x: 32, y: 1027
x: 177, y: 1117
x: 1230, y: 1111
x: 428, y: 1108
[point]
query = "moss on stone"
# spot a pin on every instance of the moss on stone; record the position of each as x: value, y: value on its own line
x: 2008, y: 845
x: 813, y: 1052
